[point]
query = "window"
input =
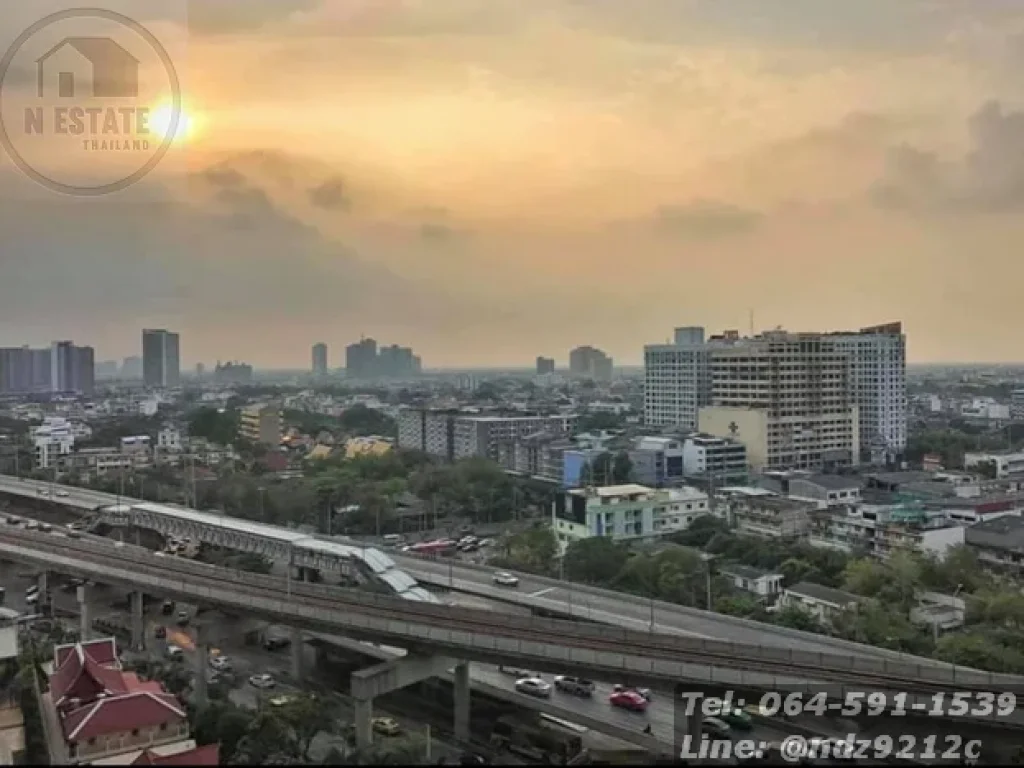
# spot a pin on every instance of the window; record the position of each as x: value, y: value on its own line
x: 135, y: 732
x: 163, y: 726
x: 92, y: 742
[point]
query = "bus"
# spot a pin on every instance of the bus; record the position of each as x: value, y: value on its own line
x: 541, y: 739
x: 436, y: 547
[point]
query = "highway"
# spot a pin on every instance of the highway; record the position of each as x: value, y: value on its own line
x: 645, y: 657
x: 580, y: 601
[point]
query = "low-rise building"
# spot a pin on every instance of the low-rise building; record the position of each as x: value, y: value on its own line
x: 769, y: 516
x: 105, y: 713
x: 261, y: 424
x: 718, y: 459
x: 368, y: 446
x: 823, y: 603
x: 52, y: 441
x: 999, y: 543
x: 625, y: 512
x: 169, y: 439
x: 1004, y: 463
x: 939, y: 612
x: 763, y: 584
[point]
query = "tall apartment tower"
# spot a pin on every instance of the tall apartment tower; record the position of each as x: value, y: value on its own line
x: 677, y: 381
x: 161, y: 358
x: 72, y: 369
x: 545, y: 365
x: 786, y: 397
x: 877, y: 358
x: 590, y: 362
x: 320, y: 359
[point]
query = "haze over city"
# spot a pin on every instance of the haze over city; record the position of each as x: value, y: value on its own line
x: 490, y: 180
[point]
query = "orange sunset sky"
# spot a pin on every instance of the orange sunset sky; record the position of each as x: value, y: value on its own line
x: 490, y: 180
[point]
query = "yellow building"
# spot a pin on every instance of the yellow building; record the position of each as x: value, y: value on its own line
x: 368, y: 446
x: 261, y: 423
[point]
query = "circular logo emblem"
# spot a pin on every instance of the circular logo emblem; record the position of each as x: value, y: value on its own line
x: 90, y: 102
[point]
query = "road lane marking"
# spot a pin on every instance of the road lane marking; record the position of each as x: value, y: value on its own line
x: 543, y: 592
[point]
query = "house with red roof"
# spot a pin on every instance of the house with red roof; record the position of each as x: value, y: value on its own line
x: 106, y: 713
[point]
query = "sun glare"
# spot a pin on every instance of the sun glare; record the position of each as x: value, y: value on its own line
x: 162, y: 117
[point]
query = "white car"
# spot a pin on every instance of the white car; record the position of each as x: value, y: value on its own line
x: 534, y: 686
x: 262, y: 681
x: 63, y: 494
x: 505, y: 579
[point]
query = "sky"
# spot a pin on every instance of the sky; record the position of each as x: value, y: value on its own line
x: 491, y: 180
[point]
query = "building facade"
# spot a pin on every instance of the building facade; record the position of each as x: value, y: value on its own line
x: 591, y: 363
x: 786, y: 397
x: 625, y: 512
x: 677, y: 380
x: 319, y: 359
x: 877, y: 359
x: 161, y: 358
x: 715, y: 460
x: 261, y: 423
x: 452, y: 435
x: 545, y: 365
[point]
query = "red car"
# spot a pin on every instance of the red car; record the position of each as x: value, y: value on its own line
x: 630, y: 700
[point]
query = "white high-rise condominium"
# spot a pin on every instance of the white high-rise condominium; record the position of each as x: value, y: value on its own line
x: 676, y: 380
x: 878, y: 386
x: 161, y: 360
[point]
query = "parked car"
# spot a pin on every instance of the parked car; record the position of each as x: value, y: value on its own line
x: 386, y: 726
x: 715, y: 726
x: 534, y: 686
x: 263, y: 680
x: 630, y: 700
x: 505, y: 579
x: 183, y: 618
x: 577, y: 686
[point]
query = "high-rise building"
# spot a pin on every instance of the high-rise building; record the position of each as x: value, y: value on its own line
x: 786, y: 397
x: 452, y: 436
x: 591, y: 363
x: 877, y: 358
x: 677, y: 381
x: 131, y: 367
x: 161, y: 358
x: 545, y: 365
x: 320, y: 359
x: 72, y: 369
x: 361, y: 359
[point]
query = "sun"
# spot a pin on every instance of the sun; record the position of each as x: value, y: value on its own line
x: 161, y: 119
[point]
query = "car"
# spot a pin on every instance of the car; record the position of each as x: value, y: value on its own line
x: 183, y: 618
x: 220, y: 663
x: 577, y: 686
x: 167, y: 607
x: 386, y: 726
x: 505, y: 579
x: 31, y: 525
x: 43, y: 492
x: 174, y: 652
x: 45, y: 527
x: 737, y: 719
x: 276, y: 643
x: 73, y: 534
x: 645, y: 692
x: 159, y: 632
x: 627, y: 699
x: 280, y: 701
x: 534, y: 686
x: 63, y: 494
x: 262, y: 680
x: 517, y: 672
x: 715, y: 726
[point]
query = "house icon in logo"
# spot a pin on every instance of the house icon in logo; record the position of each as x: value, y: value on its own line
x: 114, y: 71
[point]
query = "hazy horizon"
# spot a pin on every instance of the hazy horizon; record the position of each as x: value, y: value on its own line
x: 487, y: 181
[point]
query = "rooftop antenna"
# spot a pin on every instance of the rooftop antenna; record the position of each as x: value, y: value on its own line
x: 751, y: 322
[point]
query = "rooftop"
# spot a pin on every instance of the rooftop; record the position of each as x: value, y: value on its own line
x: 611, y: 491
x: 823, y: 594
x: 832, y: 482
x: 745, y: 571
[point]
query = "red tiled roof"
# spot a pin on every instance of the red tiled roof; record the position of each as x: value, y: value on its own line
x: 102, y: 651
x: 205, y: 755
x: 116, y: 714
x: 81, y: 676
x: 134, y: 685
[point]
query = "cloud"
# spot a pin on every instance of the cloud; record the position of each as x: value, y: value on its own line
x: 988, y: 178
x: 330, y: 195
x: 706, y: 219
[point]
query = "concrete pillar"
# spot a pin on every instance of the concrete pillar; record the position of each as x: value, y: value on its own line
x: 202, y: 662
x: 44, y: 603
x: 298, y: 650
x: 462, y: 697
x: 138, y: 623
x: 85, y: 620
x: 364, y: 723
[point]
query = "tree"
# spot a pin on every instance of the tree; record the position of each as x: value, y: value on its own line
x: 268, y: 740
x: 308, y: 715
x: 532, y: 550
x: 796, y: 618
x: 597, y: 560
x: 701, y: 531
x: 223, y: 723
x: 607, y: 469
x: 987, y: 470
x: 360, y: 420
x: 409, y: 749
x: 220, y: 427
x: 865, y: 577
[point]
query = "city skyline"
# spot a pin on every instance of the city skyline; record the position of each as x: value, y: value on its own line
x: 555, y: 175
